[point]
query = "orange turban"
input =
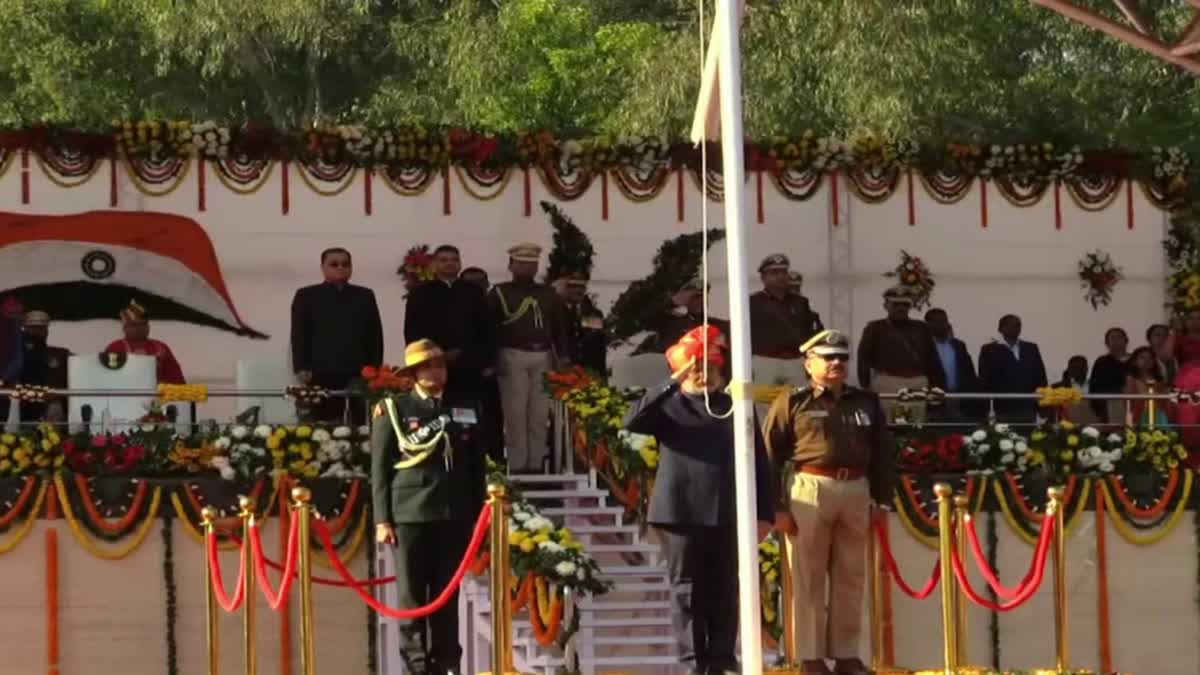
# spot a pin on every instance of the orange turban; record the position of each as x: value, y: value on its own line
x: 134, y: 313
x: 700, y: 343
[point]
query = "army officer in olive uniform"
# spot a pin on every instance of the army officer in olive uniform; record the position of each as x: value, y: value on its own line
x: 829, y: 445
x: 427, y: 482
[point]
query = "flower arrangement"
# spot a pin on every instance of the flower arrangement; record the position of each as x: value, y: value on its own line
x: 1058, y: 397
x: 211, y: 140
x: 417, y: 267
x: 104, y: 453
x: 769, y: 566
x: 1031, y: 161
x: 540, y: 548
x: 155, y: 139
x: 996, y: 448
x: 931, y: 454
x: 37, y: 452
x: 303, y: 451
x: 1099, y: 277
x: 1156, y: 450
x: 914, y: 273
x: 1170, y: 166
x: 810, y: 152
x: 379, y: 381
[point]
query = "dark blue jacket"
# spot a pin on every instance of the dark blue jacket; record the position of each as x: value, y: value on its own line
x: 694, y: 482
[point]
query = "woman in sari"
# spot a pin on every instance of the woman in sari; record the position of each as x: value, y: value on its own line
x: 1186, y: 347
x: 1145, y: 377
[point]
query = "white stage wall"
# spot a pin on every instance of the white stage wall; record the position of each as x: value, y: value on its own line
x: 1019, y: 263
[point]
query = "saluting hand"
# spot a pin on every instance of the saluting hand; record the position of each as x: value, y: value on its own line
x: 385, y: 534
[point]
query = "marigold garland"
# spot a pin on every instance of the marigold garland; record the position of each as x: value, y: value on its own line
x: 1072, y: 520
x: 86, y: 541
x: 188, y: 393
x: 26, y: 527
x: 1058, y: 397
x: 351, y: 550
x: 1117, y: 489
x: 193, y: 533
x: 27, y: 493
x: 98, y: 520
x: 1128, y: 534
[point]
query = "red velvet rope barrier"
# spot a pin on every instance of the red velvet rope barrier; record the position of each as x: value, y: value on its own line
x: 1027, y: 589
x: 481, y: 528
x: 986, y: 571
x: 893, y: 569
x: 276, y: 599
x: 320, y: 581
x: 214, y: 567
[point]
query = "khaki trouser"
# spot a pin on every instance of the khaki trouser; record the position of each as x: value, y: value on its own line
x: 911, y: 411
x: 526, y: 406
x: 833, y: 523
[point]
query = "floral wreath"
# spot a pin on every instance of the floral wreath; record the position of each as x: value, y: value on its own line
x: 1099, y: 276
x: 915, y: 274
x: 417, y: 267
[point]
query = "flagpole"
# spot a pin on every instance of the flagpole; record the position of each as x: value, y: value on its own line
x: 733, y: 165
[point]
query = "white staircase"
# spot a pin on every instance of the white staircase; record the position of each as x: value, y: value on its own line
x: 627, y: 629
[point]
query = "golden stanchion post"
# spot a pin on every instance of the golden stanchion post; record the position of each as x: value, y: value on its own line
x: 212, y: 631
x: 249, y: 646
x: 961, y: 515
x: 502, y: 659
x: 945, y: 550
x: 874, y: 578
x: 302, y: 501
x: 1055, y: 510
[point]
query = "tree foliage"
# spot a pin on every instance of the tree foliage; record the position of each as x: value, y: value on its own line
x: 927, y: 69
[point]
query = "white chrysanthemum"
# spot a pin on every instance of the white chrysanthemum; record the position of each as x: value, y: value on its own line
x: 1022, y: 447
x: 1116, y: 438
x: 1091, y: 432
x: 551, y: 547
x: 243, y: 448
x: 564, y: 568
x: 538, y: 523
x: 238, y: 432
x: 520, y: 516
x: 1002, y: 428
x: 979, y: 435
x: 320, y: 436
x: 341, y: 432
x: 262, y: 431
x: 1008, y: 458
x: 1106, y: 467
x: 222, y: 443
x: 1006, y: 445
x: 364, y: 430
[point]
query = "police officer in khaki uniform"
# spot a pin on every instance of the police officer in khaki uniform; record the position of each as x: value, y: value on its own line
x: 43, y: 366
x: 534, y: 337
x: 781, y: 320
x: 427, y: 485
x: 829, y: 444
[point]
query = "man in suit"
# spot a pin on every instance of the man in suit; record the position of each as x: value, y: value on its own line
x: 589, y: 344
x: 692, y: 508
x: 781, y: 320
x: 336, y: 331
x: 43, y: 366
x: 1012, y: 365
x: 427, y: 486
x: 454, y: 314
x: 957, y: 365
x: 828, y: 443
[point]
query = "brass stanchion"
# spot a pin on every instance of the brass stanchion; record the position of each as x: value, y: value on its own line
x: 961, y: 516
x: 787, y: 594
x: 302, y: 498
x: 212, y: 631
x: 502, y: 659
x: 874, y: 578
x: 945, y: 551
x: 1055, y: 510
x: 249, y: 647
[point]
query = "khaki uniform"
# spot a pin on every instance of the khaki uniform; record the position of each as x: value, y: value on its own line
x: 778, y: 326
x: 833, y: 455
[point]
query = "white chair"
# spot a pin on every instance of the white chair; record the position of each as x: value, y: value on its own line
x: 266, y: 374
x: 643, y: 370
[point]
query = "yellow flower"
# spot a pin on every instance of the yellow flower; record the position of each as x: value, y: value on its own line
x: 1066, y: 456
x: 516, y: 537
x: 54, y: 438
x: 304, y: 431
x: 1181, y: 452
x: 772, y: 576
x: 1072, y: 440
x: 58, y: 461
x: 306, y: 450
x: 47, y: 445
x: 4, y: 451
x: 5, y: 465
x: 1038, y: 436
x: 273, y: 443
x: 541, y: 537
x: 1067, y: 424
x: 8, y: 439
x: 527, y: 546
x: 312, y: 471
x: 20, y: 454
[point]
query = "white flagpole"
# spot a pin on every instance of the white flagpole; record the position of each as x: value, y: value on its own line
x: 734, y: 170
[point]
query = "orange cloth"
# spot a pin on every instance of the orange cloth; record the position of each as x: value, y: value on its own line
x: 702, y: 342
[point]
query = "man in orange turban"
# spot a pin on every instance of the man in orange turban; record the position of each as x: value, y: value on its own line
x: 692, y: 508
x: 135, y: 324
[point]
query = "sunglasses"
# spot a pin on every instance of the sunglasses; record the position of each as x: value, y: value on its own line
x: 835, y: 358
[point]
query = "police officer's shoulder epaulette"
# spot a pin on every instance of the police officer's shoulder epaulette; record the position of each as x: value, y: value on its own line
x: 800, y: 393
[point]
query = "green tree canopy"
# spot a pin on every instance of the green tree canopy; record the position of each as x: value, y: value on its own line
x: 928, y: 69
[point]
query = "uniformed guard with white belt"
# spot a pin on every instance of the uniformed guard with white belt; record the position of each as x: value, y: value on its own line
x: 428, y: 484
x: 829, y: 444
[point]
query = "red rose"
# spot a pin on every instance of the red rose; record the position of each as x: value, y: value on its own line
x: 68, y: 446
x: 120, y: 439
x: 99, y: 441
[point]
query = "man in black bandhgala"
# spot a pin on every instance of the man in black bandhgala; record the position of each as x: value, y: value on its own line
x: 427, y: 484
x: 336, y: 331
x: 454, y: 314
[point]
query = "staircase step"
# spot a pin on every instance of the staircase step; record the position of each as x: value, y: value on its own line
x: 622, y: 548
x: 615, y: 511
x: 632, y: 570
x: 630, y: 586
x: 628, y: 622
x: 573, y: 493
x: 548, y: 478
x: 625, y: 605
x: 641, y: 640
x: 631, y: 530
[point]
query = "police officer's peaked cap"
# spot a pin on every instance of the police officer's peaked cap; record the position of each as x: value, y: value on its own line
x: 525, y: 252
x: 900, y: 293
x: 795, y: 279
x: 36, y: 318
x: 827, y: 343
x: 775, y: 261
